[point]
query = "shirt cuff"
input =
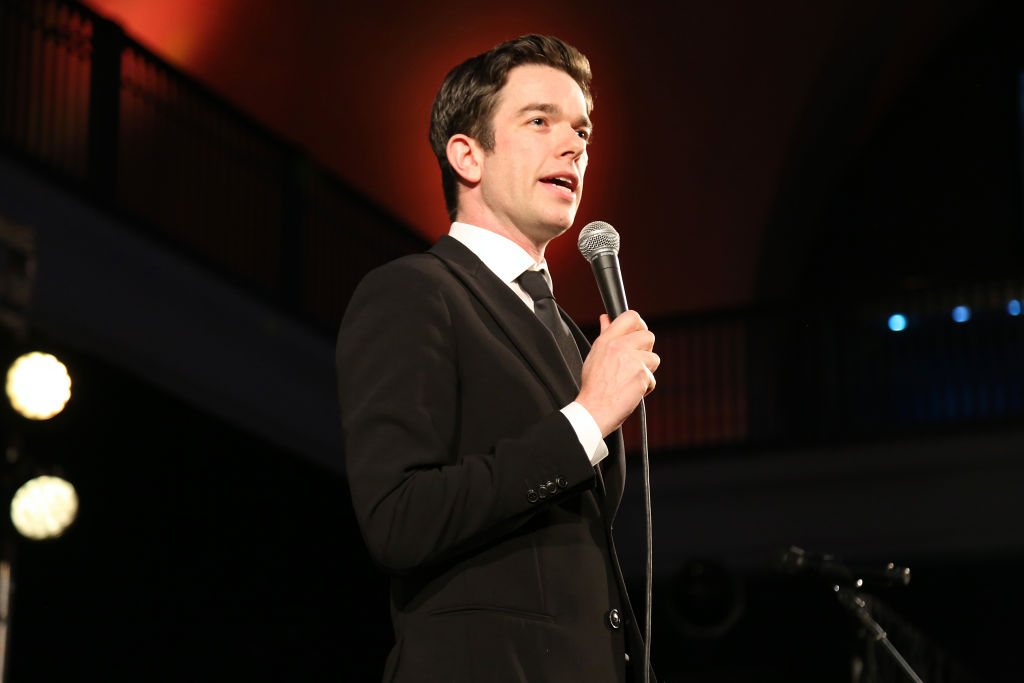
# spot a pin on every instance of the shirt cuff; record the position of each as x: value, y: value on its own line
x: 587, y: 432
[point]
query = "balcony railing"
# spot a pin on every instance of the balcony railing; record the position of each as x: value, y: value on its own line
x: 103, y: 115
x: 838, y: 371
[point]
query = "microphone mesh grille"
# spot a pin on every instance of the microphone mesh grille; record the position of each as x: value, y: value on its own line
x: 598, y: 238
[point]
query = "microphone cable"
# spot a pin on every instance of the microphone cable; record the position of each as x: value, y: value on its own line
x: 649, y: 569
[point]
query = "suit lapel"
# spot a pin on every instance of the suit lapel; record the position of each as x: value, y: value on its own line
x: 525, y: 330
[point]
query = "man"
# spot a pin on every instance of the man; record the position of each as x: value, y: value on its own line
x: 485, y: 467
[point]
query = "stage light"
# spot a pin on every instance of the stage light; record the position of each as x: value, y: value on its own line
x: 44, y: 507
x: 961, y: 314
x: 38, y: 386
x: 897, y: 322
x: 1013, y: 307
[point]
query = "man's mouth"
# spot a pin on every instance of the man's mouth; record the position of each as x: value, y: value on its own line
x: 566, y: 181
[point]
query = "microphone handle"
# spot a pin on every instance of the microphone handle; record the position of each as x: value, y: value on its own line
x: 609, y: 283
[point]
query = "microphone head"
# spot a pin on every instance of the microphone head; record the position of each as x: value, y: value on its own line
x: 598, y: 238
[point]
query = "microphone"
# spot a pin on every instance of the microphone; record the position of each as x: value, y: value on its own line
x: 599, y: 244
x: 796, y: 561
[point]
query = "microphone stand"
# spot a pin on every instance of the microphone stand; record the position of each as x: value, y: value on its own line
x: 858, y: 607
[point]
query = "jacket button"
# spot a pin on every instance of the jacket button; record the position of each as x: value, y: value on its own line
x: 542, y: 491
x: 562, y: 483
x: 614, y: 619
x: 532, y: 496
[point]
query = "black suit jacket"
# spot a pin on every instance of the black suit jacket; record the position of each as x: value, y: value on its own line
x: 471, y: 488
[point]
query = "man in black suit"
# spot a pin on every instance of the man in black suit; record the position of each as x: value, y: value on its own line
x: 485, y: 464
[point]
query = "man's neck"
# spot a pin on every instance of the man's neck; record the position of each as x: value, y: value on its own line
x: 535, y: 250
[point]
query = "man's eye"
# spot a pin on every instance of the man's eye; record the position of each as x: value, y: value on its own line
x: 585, y: 134
x: 537, y: 121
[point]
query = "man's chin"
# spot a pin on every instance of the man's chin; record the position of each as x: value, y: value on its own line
x: 563, y: 222
x: 552, y: 226
x: 558, y: 229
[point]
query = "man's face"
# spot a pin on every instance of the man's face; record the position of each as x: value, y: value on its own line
x: 532, y: 180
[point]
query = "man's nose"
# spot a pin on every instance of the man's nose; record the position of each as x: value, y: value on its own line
x: 573, y: 144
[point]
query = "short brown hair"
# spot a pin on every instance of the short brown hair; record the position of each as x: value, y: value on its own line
x: 467, y: 98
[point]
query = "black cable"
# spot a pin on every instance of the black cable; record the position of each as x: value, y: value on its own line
x: 649, y: 572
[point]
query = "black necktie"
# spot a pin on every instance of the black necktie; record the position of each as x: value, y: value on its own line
x: 534, y: 284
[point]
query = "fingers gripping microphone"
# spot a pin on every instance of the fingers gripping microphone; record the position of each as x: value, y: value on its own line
x: 599, y: 244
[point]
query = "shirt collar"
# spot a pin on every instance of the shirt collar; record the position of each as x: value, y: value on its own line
x: 502, y: 256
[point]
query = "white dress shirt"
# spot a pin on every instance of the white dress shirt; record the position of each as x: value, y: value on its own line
x: 507, y: 260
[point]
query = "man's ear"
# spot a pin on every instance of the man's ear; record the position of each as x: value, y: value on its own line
x: 466, y: 156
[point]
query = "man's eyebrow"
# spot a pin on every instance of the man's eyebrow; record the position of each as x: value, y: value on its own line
x: 553, y: 110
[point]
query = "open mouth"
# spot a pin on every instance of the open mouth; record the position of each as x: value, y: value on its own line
x: 568, y: 182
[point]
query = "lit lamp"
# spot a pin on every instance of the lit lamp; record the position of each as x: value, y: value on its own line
x: 38, y: 385
x: 44, y: 507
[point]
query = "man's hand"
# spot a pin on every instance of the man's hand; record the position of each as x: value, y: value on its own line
x: 619, y: 371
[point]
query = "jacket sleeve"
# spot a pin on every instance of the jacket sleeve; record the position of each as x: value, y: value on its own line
x: 418, y: 500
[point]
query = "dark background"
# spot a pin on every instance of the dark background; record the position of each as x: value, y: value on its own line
x: 802, y: 168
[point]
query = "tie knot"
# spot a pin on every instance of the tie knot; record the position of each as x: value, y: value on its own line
x: 534, y: 284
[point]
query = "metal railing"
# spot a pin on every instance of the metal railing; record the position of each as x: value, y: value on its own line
x: 838, y: 371
x: 45, y: 80
x: 99, y: 112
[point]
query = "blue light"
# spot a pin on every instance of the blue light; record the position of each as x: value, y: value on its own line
x: 1013, y: 307
x: 961, y: 314
x: 897, y: 322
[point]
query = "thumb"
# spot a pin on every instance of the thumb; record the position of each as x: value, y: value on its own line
x: 605, y: 322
